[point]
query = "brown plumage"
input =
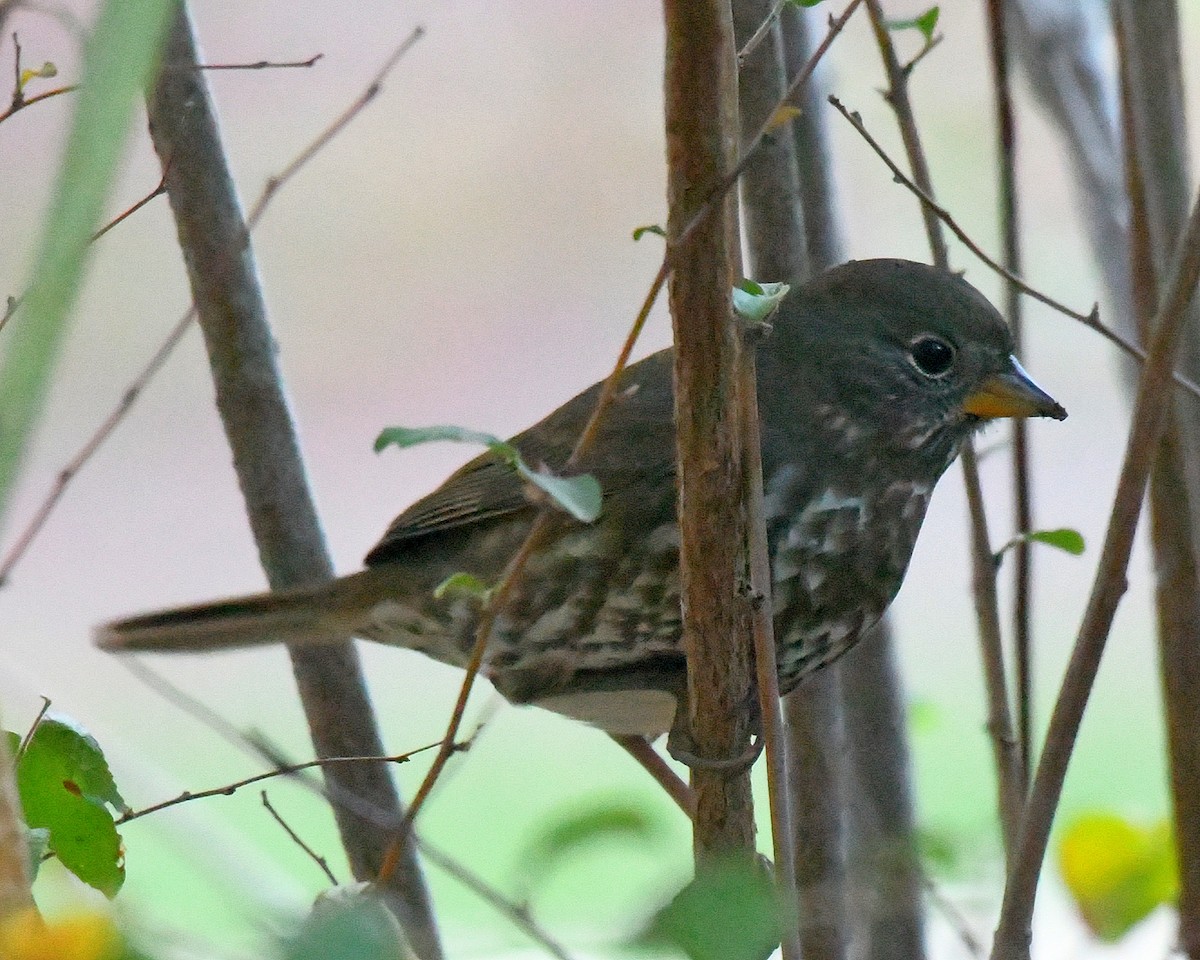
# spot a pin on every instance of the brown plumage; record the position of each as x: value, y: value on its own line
x: 873, y: 376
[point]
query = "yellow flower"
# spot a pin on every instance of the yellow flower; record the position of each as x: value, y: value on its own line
x: 83, y: 936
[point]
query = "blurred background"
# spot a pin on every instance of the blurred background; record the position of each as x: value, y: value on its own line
x: 462, y: 254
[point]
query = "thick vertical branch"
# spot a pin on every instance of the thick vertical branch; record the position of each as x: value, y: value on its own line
x: 1157, y: 171
x: 701, y: 138
x: 254, y: 410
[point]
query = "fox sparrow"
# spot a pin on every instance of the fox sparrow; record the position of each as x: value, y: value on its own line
x: 871, y: 379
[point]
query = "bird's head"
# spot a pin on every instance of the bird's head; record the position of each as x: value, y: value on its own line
x: 905, y: 358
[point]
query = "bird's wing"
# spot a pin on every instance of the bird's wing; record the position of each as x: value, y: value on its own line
x: 635, y: 445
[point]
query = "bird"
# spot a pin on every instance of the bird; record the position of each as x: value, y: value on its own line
x: 871, y: 378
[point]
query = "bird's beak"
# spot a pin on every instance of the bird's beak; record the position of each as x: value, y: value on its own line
x: 1012, y: 393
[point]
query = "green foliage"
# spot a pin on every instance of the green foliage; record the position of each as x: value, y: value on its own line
x: 66, y: 790
x: 463, y: 584
x: 597, y: 822
x: 757, y: 301
x: 926, y: 23
x: 1063, y: 538
x: 1117, y: 871
x: 729, y: 911
x: 119, y: 59
x: 346, y: 923
x: 804, y: 3
x: 580, y: 495
x: 654, y: 228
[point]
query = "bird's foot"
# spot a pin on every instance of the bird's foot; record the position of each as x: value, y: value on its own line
x: 681, y: 747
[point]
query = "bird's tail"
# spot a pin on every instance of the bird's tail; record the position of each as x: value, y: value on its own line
x: 294, y: 616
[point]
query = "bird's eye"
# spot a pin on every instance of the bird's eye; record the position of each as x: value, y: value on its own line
x: 933, y: 356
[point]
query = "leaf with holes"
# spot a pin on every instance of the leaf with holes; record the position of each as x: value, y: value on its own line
x: 66, y: 788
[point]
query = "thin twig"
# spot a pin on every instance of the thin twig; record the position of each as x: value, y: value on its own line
x: 284, y: 770
x: 259, y: 64
x: 25, y: 740
x: 132, y: 392
x: 759, y: 35
x: 1022, y: 493
x: 316, y: 858
x: 652, y: 761
x: 25, y: 102
x: 158, y: 191
x: 1090, y: 320
x: 1149, y: 419
x: 953, y: 916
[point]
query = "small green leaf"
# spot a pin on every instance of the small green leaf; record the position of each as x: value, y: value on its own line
x: 924, y: 23
x: 1117, y: 872
x: 730, y: 911
x: 463, y: 584
x: 757, y: 301
x: 45, y: 72
x: 66, y: 787
x: 346, y: 923
x: 1065, y: 539
x: 580, y: 495
x: 653, y: 228
x: 405, y: 437
x: 804, y: 3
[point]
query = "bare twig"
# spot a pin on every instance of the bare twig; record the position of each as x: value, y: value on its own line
x: 1149, y: 418
x: 1022, y: 494
x: 751, y: 43
x: 1090, y: 320
x: 33, y: 728
x: 25, y: 102
x: 259, y: 64
x: 128, y: 212
x: 644, y: 753
x: 316, y: 858
x: 134, y: 390
x: 284, y: 770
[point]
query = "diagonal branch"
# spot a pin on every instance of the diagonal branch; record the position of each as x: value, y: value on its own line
x: 214, y: 237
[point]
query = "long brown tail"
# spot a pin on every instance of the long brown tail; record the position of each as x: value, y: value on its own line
x: 295, y: 616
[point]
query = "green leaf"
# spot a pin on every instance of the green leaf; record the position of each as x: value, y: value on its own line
x: 595, y: 823
x: 405, y: 437
x: 926, y: 23
x: 653, y: 228
x: 119, y: 60
x: 346, y: 923
x: 463, y: 584
x: 1117, y: 872
x: 1065, y: 539
x: 757, y: 301
x: 579, y: 495
x: 730, y: 911
x: 924, y: 716
x: 804, y: 3
x: 66, y: 788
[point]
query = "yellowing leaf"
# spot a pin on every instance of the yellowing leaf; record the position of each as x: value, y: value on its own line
x: 1117, y: 871
x: 783, y: 114
x: 84, y: 936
